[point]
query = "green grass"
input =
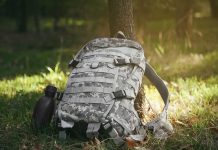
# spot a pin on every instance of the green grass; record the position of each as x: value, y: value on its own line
x: 193, y: 111
x: 190, y: 73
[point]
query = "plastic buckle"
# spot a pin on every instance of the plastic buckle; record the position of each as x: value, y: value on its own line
x: 59, y: 96
x: 119, y: 94
x: 119, y: 61
x: 107, y: 126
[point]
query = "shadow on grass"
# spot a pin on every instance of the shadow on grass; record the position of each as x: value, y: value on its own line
x: 31, y: 62
x: 16, y: 131
x: 29, y: 53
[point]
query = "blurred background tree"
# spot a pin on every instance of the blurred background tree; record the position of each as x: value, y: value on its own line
x: 36, y: 13
x: 184, y: 17
x: 23, y: 12
x: 214, y: 8
x: 81, y: 18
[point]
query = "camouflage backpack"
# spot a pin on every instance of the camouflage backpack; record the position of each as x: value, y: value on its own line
x: 105, y: 80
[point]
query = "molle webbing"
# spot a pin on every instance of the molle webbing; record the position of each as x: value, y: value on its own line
x: 103, y: 85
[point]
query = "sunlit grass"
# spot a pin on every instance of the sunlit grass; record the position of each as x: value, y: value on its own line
x: 34, y: 83
x: 193, y: 110
x: 188, y: 97
x: 177, y: 64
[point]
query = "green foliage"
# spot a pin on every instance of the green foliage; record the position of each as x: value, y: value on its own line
x: 32, y: 14
x: 191, y: 100
x: 159, y: 50
x: 55, y: 77
x: 193, y: 111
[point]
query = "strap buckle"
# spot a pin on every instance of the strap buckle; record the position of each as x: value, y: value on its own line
x: 121, y: 61
x: 119, y: 94
x: 59, y: 95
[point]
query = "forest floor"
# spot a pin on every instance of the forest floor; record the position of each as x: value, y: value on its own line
x: 189, y: 68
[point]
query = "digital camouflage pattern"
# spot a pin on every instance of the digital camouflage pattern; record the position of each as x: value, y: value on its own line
x: 104, y: 88
x: 106, y: 65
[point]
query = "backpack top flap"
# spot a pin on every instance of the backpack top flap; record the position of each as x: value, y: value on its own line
x: 101, y: 43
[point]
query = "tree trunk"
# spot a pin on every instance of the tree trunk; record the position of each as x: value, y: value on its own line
x: 214, y: 8
x: 140, y: 11
x: 121, y: 17
x: 184, y: 18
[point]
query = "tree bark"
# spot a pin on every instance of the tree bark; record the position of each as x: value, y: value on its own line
x: 121, y: 18
x: 214, y: 8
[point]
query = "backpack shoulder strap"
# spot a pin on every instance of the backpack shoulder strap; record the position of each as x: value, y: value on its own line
x: 158, y: 83
x: 160, y: 126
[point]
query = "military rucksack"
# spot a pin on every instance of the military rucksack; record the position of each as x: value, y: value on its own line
x: 102, y: 88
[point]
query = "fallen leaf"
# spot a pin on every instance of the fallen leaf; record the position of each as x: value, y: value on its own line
x: 57, y: 147
x: 187, y: 146
x: 24, y: 147
x: 37, y: 147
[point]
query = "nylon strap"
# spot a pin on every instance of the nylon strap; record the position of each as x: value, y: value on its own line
x: 98, y: 59
x: 134, y: 61
x: 86, y: 89
x: 85, y: 70
x: 106, y: 54
x: 123, y: 123
x: 92, y: 130
x: 134, y: 85
x: 116, y: 138
x: 86, y: 100
x: 91, y: 79
x: 159, y: 84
